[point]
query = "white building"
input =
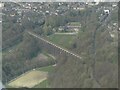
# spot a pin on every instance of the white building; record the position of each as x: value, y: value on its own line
x: 1, y: 5
x: 106, y: 11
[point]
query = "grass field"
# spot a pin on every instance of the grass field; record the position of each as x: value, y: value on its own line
x: 43, y: 84
x: 33, y: 79
x: 62, y: 40
x: 29, y: 79
x: 46, y: 69
x: 75, y: 23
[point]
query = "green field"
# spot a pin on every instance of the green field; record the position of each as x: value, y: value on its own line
x: 62, y: 40
x: 34, y: 79
x: 29, y: 79
x: 46, y: 69
x: 43, y: 84
x: 74, y: 23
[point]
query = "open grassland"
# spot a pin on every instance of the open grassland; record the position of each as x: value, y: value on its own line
x: 43, y: 84
x: 36, y: 78
x: 74, y: 23
x: 29, y: 80
x: 46, y: 69
x: 62, y: 40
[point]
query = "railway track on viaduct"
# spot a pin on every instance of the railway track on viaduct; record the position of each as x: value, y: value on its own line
x: 70, y: 53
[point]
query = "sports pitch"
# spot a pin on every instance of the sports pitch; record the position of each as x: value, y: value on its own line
x: 29, y: 79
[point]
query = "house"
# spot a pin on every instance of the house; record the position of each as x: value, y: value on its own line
x: 106, y: 11
x: 47, y: 12
x: 114, y: 5
x: 73, y: 26
x: 1, y: 5
x: 56, y: 13
x: 19, y: 12
x: 12, y: 15
x: 115, y: 24
x: 118, y: 29
x: 61, y: 28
